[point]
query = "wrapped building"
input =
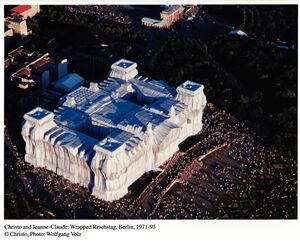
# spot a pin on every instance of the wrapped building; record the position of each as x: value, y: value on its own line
x: 108, y: 135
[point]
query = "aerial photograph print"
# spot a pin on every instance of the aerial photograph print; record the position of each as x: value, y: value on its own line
x: 150, y: 111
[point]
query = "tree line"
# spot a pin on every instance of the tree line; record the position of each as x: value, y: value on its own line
x: 112, y: 30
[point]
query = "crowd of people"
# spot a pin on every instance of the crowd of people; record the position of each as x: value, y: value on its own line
x: 106, y: 12
x: 237, y: 180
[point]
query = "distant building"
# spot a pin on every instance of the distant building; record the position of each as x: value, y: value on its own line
x: 16, y: 21
x: 172, y: 14
x: 36, y: 72
x: 20, y: 57
x: 32, y: 76
x: 284, y: 45
x: 17, y: 24
x: 191, y: 11
x: 40, y: 69
x: 108, y: 135
x: 167, y: 17
x: 20, y: 99
x: 152, y: 22
x: 238, y: 32
x: 69, y: 82
x: 25, y: 10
